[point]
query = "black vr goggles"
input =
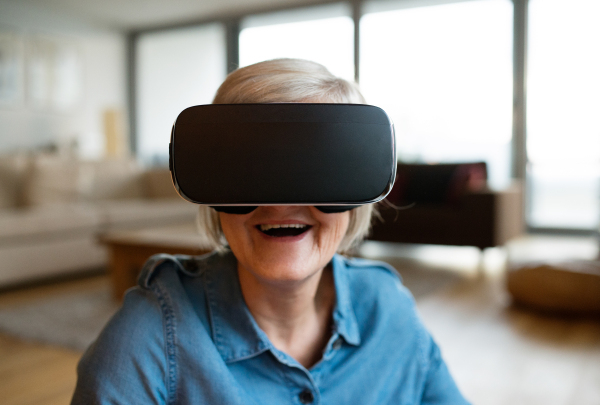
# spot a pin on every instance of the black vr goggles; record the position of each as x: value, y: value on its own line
x: 235, y: 157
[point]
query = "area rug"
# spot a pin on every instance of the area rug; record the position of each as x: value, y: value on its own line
x: 74, y: 320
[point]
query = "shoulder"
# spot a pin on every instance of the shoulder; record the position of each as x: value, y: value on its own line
x: 128, y: 356
x: 372, y: 280
x: 389, y: 323
x: 373, y: 268
x: 381, y: 304
x: 161, y: 294
x: 140, y: 316
x: 134, y: 356
x: 163, y: 265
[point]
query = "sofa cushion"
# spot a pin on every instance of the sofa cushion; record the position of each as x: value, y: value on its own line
x: 44, y: 221
x: 13, y: 172
x: 146, y: 213
x: 158, y: 183
x: 54, y: 180
x: 114, y: 179
x: 48, y: 258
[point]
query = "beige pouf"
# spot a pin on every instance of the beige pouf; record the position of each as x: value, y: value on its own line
x: 565, y: 287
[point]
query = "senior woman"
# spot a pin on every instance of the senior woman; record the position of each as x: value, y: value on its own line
x: 274, y: 315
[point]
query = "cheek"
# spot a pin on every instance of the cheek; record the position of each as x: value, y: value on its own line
x: 334, y: 230
x: 233, y: 228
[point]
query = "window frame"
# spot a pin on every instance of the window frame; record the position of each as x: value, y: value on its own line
x: 232, y: 23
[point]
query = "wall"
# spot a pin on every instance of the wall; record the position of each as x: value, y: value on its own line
x: 102, y: 57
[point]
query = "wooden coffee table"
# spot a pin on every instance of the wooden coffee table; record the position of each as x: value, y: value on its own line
x: 129, y: 250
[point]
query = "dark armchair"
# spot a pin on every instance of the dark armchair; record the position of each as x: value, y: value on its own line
x: 448, y: 204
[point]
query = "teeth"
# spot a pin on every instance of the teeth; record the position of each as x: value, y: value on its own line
x: 267, y: 227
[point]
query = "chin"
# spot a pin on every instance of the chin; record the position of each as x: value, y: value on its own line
x: 291, y: 268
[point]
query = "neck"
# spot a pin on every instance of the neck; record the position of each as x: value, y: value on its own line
x: 296, y: 316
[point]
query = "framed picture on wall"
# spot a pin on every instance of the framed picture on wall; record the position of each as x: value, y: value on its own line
x: 54, y: 73
x: 11, y: 69
x: 39, y: 72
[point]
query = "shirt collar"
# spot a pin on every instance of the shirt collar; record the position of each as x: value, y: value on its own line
x: 234, y: 330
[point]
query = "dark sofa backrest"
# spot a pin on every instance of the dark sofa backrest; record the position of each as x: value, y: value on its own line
x: 436, y: 183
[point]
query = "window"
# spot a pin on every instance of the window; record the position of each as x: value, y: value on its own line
x: 443, y: 71
x: 444, y: 74
x: 175, y: 69
x: 323, y: 34
x: 563, y: 113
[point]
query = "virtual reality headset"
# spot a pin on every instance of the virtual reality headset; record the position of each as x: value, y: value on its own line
x: 235, y: 157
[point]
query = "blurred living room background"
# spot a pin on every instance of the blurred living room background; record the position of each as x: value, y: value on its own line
x: 496, y: 107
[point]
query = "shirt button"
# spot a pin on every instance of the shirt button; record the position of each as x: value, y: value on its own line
x: 337, y: 344
x: 306, y: 397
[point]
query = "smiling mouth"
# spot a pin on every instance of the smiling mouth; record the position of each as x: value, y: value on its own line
x: 281, y: 230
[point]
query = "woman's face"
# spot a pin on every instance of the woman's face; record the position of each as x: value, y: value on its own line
x: 284, y: 243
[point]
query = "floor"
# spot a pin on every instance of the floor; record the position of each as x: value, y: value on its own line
x: 501, y: 355
x: 35, y: 374
x: 498, y: 354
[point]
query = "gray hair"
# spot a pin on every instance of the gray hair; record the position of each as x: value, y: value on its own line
x: 287, y: 81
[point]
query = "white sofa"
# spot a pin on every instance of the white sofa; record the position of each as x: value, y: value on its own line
x: 53, y: 208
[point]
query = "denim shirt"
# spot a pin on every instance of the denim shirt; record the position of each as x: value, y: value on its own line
x: 186, y: 336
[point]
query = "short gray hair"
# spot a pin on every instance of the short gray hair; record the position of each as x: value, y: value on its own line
x: 287, y: 81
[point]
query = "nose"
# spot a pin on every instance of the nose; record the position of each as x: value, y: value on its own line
x: 283, y: 210
x: 280, y: 208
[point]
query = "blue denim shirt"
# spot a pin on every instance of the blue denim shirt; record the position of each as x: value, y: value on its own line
x: 186, y: 336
